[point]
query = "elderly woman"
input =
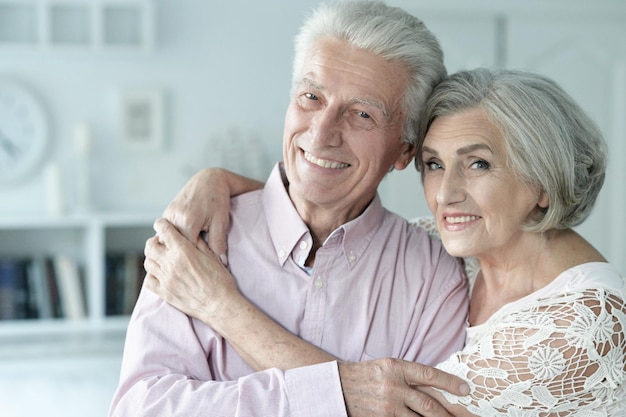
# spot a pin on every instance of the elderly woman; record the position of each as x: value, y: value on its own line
x: 509, y: 164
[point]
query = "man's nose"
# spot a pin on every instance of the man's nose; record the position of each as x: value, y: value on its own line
x: 326, y: 127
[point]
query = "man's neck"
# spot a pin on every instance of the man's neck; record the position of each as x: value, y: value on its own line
x: 322, y: 222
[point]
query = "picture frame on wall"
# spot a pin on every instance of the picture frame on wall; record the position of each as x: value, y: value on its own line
x: 142, y: 119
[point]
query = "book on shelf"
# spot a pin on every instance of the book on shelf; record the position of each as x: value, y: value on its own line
x: 52, y: 287
x: 124, y: 277
x: 41, y: 288
x: 14, y: 294
x: 70, y: 287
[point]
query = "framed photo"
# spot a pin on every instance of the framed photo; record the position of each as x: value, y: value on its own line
x: 141, y: 119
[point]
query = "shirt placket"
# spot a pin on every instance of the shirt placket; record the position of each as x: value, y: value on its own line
x: 317, y: 293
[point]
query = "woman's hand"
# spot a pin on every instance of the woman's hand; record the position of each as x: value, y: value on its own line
x: 389, y: 387
x: 202, y: 207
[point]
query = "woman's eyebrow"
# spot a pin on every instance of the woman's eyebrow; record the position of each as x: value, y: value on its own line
x: 430, y: 151
x: 461, y: 151
x: 471, y: 148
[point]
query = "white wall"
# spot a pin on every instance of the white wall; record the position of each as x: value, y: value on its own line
x: 224, y: 66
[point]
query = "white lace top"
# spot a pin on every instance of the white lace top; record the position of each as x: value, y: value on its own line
x: 560, y: 351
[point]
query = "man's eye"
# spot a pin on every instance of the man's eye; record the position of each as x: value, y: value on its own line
x: 364, y: 115
x: 311, y: 96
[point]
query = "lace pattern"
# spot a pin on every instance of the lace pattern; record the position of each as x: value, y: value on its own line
x: 563, y: 355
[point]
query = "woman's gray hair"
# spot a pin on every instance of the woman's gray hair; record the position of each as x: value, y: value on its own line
x: 388, y: 32
x: 551, y: 142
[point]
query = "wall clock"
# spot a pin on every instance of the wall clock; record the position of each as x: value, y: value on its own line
x: 24, y: 134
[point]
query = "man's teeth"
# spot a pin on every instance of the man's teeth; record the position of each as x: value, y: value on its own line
x: 323, y: 163
x: 461, y: 219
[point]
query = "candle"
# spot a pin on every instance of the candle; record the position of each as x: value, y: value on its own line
x: 54, y: 189
x: 83, y: 141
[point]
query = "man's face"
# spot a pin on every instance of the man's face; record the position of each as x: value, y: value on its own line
x: 343, y: 128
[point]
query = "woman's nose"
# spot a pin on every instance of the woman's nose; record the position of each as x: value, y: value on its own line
x: 451, y: 188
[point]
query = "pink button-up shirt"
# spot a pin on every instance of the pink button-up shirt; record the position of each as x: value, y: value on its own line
x: 379, y: 288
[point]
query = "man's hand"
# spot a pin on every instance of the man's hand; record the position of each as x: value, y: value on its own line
x: 192, y: 280
x: 203, y: 207
x: 197, y: 284
x: 388, y: 387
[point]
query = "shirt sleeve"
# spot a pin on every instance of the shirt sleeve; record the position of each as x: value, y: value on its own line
x: 166, y: 371
x: 565, y: 355
x: 444, y: 318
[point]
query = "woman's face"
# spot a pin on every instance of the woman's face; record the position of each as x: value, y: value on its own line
x: 478, y: 201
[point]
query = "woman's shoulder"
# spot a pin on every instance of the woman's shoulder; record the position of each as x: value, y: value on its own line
x: 580, y: 312
x: 593, y: 275
x: 427, y: 223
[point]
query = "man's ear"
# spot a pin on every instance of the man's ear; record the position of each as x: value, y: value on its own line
x: 406, y: 156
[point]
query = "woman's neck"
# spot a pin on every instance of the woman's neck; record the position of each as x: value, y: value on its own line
x: 535, y: 263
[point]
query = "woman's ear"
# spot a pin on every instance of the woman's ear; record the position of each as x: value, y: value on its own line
x: 544, y: 200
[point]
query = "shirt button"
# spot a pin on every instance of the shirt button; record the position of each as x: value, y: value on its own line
x: 281, y: 253
x: 303, y: 245
x: 318, y: 283
x: 351, y: 257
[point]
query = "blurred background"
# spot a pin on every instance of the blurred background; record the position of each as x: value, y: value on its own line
x: 107, y: 107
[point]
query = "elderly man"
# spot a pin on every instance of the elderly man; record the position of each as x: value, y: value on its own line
x: 314, y: 250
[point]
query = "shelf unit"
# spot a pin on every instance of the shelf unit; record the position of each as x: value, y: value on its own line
x: 88, y: 239
x: 110, y: 25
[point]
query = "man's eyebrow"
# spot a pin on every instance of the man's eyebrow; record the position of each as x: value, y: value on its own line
x: 372, y: 103
x: 311, y: 83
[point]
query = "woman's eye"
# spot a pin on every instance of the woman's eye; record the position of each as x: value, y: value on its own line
x: 432, y: 166
x: 481, y: 164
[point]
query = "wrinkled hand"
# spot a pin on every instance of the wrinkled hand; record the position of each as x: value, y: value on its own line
x: 388, y: 387
x: 190, y: 279
x: 203, y: 207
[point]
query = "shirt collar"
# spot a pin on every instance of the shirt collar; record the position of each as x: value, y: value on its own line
x: 358, y: 233
x: 288, y: 230
x: 285, y: 225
